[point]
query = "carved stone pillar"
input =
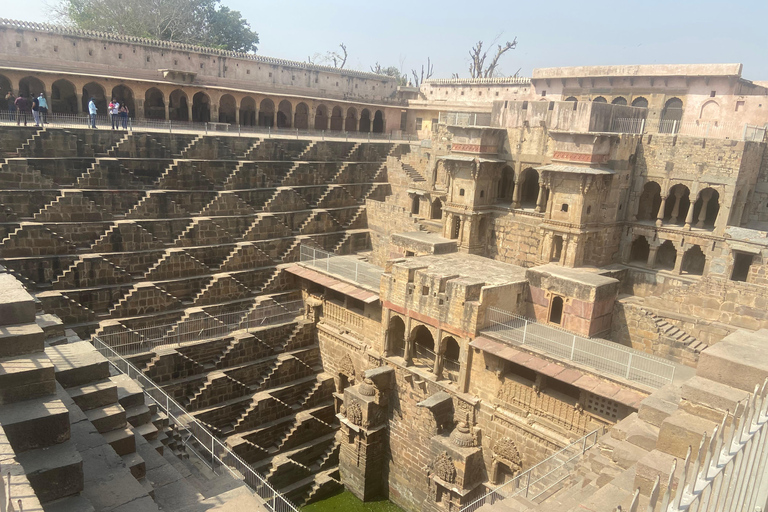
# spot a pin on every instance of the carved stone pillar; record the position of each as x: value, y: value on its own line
x: 516, y: 195
x: 167, y: 110
x: 676, y: 208
x: 408, y: 354
x: 652, y: 256
x: 706, y: 195
x: 386, y: 349
x: 660, y: 215
x: 437, y: 368
x: 540, y: 199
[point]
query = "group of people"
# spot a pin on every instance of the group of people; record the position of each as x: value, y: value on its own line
x: 20, y: 106
x: 118, y: 113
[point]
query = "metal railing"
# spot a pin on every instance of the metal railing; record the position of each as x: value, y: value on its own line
x: 347, y: 267
x: 202, y: 326
x: 465, y: 118
x: 603, y: 356
x: 628, y: 125
x: 534, y: 482
x: 423, y: 357
x: 728, y: 470
x: 58, y: 120
x: 219, y: 453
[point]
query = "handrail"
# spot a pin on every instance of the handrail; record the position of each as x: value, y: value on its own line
x: 528, y: 481
x: 220, y: 452
x: 604, y: 356
x: 356, y: 271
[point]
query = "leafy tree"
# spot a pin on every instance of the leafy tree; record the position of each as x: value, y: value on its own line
x: 393, y: 71
x: 200, y: 22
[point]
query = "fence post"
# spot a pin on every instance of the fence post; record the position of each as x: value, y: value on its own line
x: 573, y: 347
x: 323, y: 133
x: 528, y: 483
x: 356, y: 265
x: 525, y: 330
x: 629, y: 365
x: 642, y: 126
x: 674, y: 127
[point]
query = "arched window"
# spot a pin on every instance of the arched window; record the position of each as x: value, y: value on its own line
x: 571, y: 98
x: 529, y: 192
x: 154, y: 104
x: 556, y: 310
x: 350, y: 124
x: 227, y: 108
x: 63, y: 97
x: 337, y: 122
x: 301, y: 118
x: 666, y: 256
x: 321, y: 118
x: 671, y: 116
x: 423, y: 347
x: 706, y: 208
x: 267, y: 113
x: 650, y: 201
x: 640, y: 250
x: 248, y: 111
x: 640, y: 102
x: 619, y: 100
x: 678, y: 202
x: 451, y: 366
x: 365, y: 121
x: 437, y: 209
x: 378, y: 122
x: 178, y: 106
x: 397, y: 336
x: 693, y: 261
x: 201, y: 108
x: 600, y: 99
x: 284, y: 114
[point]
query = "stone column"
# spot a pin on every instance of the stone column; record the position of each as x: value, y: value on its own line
x: 167, y: 110
x: 386, y: 350
x: 676, y: 208
x: 79, y: 108
x: 465, y: 357
x: 437, y: 369
x: 689, y: 217
x: 189, y: 111
x: 408, y: 353
x: 679, y: 261
x: 540, y: 199
x: 660, y: 215
x: 237, y: 116
x: 652, y: 256
x: 311, y: 119
x: 516, y: 195
x: 706, y: 195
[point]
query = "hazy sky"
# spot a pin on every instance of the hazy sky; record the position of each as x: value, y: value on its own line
x: 552, y: 33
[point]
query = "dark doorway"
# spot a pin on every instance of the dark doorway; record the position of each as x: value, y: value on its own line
x: 556, y: 311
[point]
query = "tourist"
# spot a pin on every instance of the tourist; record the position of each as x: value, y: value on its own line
x: 43, y: 109
x: 35, y: 109
x: 21, y: 109
x: 11, y: 101
x: 92, y: 112
x: 124, y: 116
x: 114, y: 111
x: 109, y: 111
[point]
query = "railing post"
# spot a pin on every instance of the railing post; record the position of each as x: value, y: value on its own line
x: 642, y: 126
x: 629, y: 365
x: 525, y: 330
x: 573, y: 347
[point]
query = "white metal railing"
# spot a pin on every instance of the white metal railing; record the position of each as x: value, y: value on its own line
x: 347, y: 267
x: 219, y: 453
x: 603, y: 356
x: 465, y: 118
x: 201, y: 326
x: 628, y: 125
x: 534, y: 482
x: 727, y: 473
x: 57, y: 120
x: 696, y: 128
x: 522, y: 80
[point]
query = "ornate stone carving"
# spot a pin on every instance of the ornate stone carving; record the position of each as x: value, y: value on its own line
x: 346, y: 367
x: 463, y: 434
x: 506, y: 451
x: 367, y: 388
x: 355, y: 414
x: 444, y: 468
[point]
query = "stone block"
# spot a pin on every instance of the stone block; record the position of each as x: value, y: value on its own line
x: 36, y: 423
x: 121, y: 440
x: 739, y: 360
x: 97, y: 394
x: 655, y: 408
x: 78, y: 363
x: 54, y: 472
x: 709, y: 399
x: 16, y: 305
x: 106, y: 418
x: 21, y: 339
x: 682, y: 430
x: 26, y: 377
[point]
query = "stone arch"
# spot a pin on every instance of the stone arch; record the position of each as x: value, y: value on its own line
x: 97, y: 92
x: 423, y: 346
x: 507, y: 461
x: 284, y: 114
x: 557, y: 248
x: 639, y: 250
x: 154, y: 104
x: 529, y: 187
x: 5, y: 86
x: 63, y: 97
x: 506, y: 185
x: 321, y: 117
x: 706, y: 208
x: 396, y: 335
x: 444, y: 468
x: 556, y: 310
x: 346, y: 373
x: 201, y: 108
x: 337, y: 121
x: 267, y: 113
x: 378, y: 122
x: 667, y: 255
x: 301, y: 117
x: 248, y: 111
x: 124, y: 95
x: 710, y: 111
x: 671, y: 115
x: 178, y: 106
x: 437, y: 209
x: 31, y: 86
x: 451, y: 353
x: 640, y: 102
x: 365, y: 121
x: 619, y: 100
x: 678, y: 202
x: 649, y: 202
x: 415, y: 204
x: 572, y: 98
x: 693, y: 261
x: 227, y: 109
x: 599, y: 99
x: 350, y: 123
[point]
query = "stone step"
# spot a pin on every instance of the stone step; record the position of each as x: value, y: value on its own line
x: 129, y: 393
x: 70, y: 504
x: 26, y: 377
x: 636, y: 431
x: 93, y: 395
x: 136, y: 464
x: 54, y: 472
x: 147, y: 485
x: 121, y: 440
x: 655, y: 408
x: 36, y: 423
x: 138, y: 415
x: 78, y: 363
x: 21, y: 339
x: 107, y: 418
x: 160, y: 420
x: 148, y: 431
x: 157, y: 445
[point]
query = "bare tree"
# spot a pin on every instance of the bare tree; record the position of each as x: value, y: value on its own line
x: 339, y: 59
x: 477, y: 66
x: 419, y: 79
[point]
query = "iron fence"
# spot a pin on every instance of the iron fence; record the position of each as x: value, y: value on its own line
x: 628, y: 125
x: 347, y: 267
x: 604, y: 356
x: 465, y: 118
x: 219, y: 453
x: 536, y: 481
x: 200, y: 326
x: 727, y: 473
x: 57, y: 120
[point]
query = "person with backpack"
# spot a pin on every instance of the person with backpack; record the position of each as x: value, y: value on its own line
x: 10, y: 100
x: 92, y: 111
x: 21, y: 109
x: 35, y: 109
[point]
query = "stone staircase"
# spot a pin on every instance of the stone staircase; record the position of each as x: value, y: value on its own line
x: 414, y: 175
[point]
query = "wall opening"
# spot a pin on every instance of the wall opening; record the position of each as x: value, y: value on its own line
x: 557, y: 248
x: 678, y: 202
x: 154, y: 104
x: 693, y: 261
x: 667, y: 255
x: 227, y: 109
x: 529, y: 188
x: 124, y: 95
x: 301, y: 117
x: 248, y: 111
x: 506, y: 185
x: 742, y: 261
x: 437, y: 209
x: 423, y: 347
x: 284, y: 114
x: 321, y: 118
x: 267, y: 113
x: 63, y: 97
x: 178, y: 107
x: 640, y: 250
x: 201, y: 108
x: 706, y: 208
x: 397, y: 336
x: 415, y: 204
x: 650, y: 202
x: 556, y: 311
x: 350, y: 124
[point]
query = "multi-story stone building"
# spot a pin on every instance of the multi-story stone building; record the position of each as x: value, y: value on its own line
x: 550, y: 258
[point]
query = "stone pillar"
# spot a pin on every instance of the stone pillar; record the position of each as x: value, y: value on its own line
x: 311, y: 119
x: 540, y: 199
x: 387, y: 316
x: 689, y: 218
x: 189, y: 110
x: 437, y: 369
x: 237, y: 116
x: 676, y: 208
x: 652, y: 256
x: 706, y: 195
x: 79, y: 108
x: 465, y: 363
x: 516, y: 196
x: 167, y: 110
x: 679, y: 261
x: 408, y: 352
x: 660, y: 215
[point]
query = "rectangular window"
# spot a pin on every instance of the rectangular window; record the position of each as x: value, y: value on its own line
x: 602, y: 406
x: 418, y: 123
x: 434, y: 124
x: 742, y: 262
